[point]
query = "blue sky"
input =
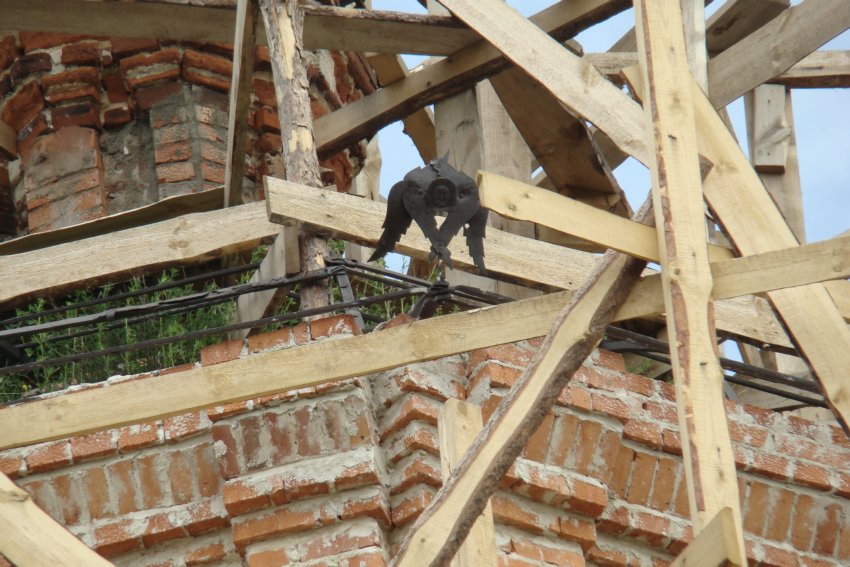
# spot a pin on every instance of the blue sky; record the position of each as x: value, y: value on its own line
x: 822, y: 120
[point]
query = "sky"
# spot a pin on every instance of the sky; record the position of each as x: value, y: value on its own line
x: 822, y: 120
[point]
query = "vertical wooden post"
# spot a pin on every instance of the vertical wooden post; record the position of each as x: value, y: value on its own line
x: 284, y: 21
x: 686, y: 276
x: 459, y: 424
x: 244, y: 45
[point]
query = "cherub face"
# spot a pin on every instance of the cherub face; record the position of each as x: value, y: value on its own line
x: 441, y: 194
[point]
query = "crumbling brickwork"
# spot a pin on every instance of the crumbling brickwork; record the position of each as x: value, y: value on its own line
x: 108, y: 124
x: 336, y: 475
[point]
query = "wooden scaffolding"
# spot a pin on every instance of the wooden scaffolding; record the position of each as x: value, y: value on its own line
x: 579, y: 123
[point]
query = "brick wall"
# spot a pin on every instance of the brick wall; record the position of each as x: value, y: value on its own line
x: 108, y: 124
x: 336, y: 475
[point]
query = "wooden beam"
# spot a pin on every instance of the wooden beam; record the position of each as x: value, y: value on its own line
x: 518, y: 259
x: 442, y: 527
x: 560, y: 142
x: 364, y: 117
x: 348, y: 29
x: 736, y: 19
x: 556, y: 68
x: 755, y: 225
x: 419, y: 125
x: 458, y: 425
x: 157, y: 397
x: 8, y: 141
x: 526, y: 202
x: 168, y: 208
x: 768, y: 130
x: 714, y: 545
x: 240, y: 99
x: 325, y: 27
x: 819, y: 70
x: 284, y: 21
x: 196, y: 237
x: 32, y: 538
x: 685, y: 275
x: 774, y: 48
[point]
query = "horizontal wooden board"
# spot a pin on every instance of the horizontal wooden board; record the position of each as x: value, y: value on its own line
x: 190, y: 238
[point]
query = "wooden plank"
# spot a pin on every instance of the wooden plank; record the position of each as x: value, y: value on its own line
x: 693, y: 21
x: 196, y: 237
x: 756, y: 225
x: 534, y: 263
x: 240, y: 99
x: 165, y: 209
x: 774, y: 48
x: 556, y: 68
x: 157, y: 397
x: 31, y: 538
x: 819, y: 70
x: 560, y: 142
x: 458, y: 424
x: 768, y: 130
x: 527, y: 202
x: 325, y: 27
x: 439, y: 530
x: 8, y: 141
x: 349, y: 29
x: 714, y: 545
x: 284, y: 21
x: 737, y: 19
x: 364, y: 117
x: 419, y: 125
x: 685, y: 275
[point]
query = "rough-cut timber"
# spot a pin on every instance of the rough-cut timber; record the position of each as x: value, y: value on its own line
x: 240, y: 99
x: 685, y: 274
x: 284, y: 21
x: 774, y: 48
x: 444, y: 78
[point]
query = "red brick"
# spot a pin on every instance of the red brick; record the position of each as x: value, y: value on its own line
x: 587, y: 498
x: 671, y: 442
x: 202, y: 519
x: 646, y: 432
x: 73, y: 92
x: 826, y: 536
x: 578, y: 530
x: 756, y: 508
x: 538, y: 443
x: 30, y: 64
x: 608, y: 557
x: 175, y: 173
x: 229, y: 462
x: 212, y: 172
x: 8, y: 52
x: 771, y: 466
x: 221, y: 352
x: 143, y: 69
x: 11, y: 466
x: 613, y: 406
x: 280, y: 522
x: 209, y: 62
x: 23, y: 106
x: 181, y: 427
x: 586, y: 446
x: 780, y: 514
x: 116, y: 538
x: 85, y: 114
x: 643, y: 472
x: 49, y: 457
x: 138, y: 436
x: 413, y: 408
x: 371, y: 506
x: 206, y: 79
x: 205, y: 555
x: 509, y: 512
x: 150, y: 471
x: 318, y: 108
x: 93, y: 446
x: 158, y: 528
x: 69, y: 496
x: 776, y: 557
x: 507, y: 353
x: 804, y: 523
x: 651, y: 528
x: 81, y: 53
x: 180, y: 475
x: 812, y: 475
x: 266, y: 120
x: 682, y: 505
x: 120, y: 476
x: 240, y: 498
x: 333, y: 326
x: 177, y: 151
x: 43, y: 40
x: 844, y: 542
x: 665, y: 484
x: 117, y: 116
x: 268, y: 558
x: 406, y: 510
x: 124, y: 46
x: 563, y: 439
x: 150, y: 96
